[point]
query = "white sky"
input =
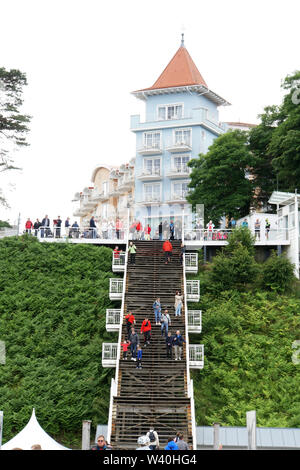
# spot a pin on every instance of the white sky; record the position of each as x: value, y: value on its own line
x: 83, y: 58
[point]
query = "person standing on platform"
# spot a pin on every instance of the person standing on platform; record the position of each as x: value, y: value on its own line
x: 139, y: 357
x: 146, y: 329
x: 167, y: 248
x: 160, y: 231
x: 36, y: 227
x: 177, y: 344
x: 157, y: 310
x: 134, y: 342
x: 28, y: 226
x: 165, y: 323
x: 169, y: 345
x: 130, y: 322
x: 172, y: 229
x: 58, y: 227
x: 67, y: 227
x: 93, y: 227
x: 178, y: 304
x: 132, y: 252
x: 125, y: 346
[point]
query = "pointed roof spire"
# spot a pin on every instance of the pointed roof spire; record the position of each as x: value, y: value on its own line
x: 180, y: 71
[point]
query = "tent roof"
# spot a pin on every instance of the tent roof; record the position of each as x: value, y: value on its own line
x: 32, y: 434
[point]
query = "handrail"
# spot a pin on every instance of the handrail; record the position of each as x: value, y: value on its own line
x: 187, y: 354
x: 114, y: 387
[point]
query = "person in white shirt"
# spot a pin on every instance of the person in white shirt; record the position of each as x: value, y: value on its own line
x: 210, y: 228
x: 153, y: 438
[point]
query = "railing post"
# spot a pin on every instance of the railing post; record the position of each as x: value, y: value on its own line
x: 1, y: 427
x: 251, y: 428
x: 86, y: 435
x: 216, y: 435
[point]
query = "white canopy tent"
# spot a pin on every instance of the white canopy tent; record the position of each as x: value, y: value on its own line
x: 32, y: 434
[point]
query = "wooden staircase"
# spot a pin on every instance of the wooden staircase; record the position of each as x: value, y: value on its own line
x: 155, y: 395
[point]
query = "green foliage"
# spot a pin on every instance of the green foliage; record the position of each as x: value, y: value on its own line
x: 4, y: 224
x: 275, y: 143
x: 13, y: 124
x: 277, y: 273
x: 53, y: 300
x: 218, y: 177
x: 233, y: 271
x: 248, y: 347
x: 240, y: 236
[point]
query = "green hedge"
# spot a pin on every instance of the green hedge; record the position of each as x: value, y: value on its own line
x: 53, y: 300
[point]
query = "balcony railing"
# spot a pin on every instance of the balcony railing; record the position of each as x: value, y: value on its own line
x: 150, y: 199
x: 113, y: 319
x: 184, y: 146
x: 149, y: 175
x: 196, y: 355
x: 118, y: 262
x: 154, y: 149
x: 191, y: 262
x: 109, y: 354
x: 178, y: 196
x: 177, y: 171
x: 115, y: 289
x: 194, y: 321
x: 193, y: 290
x: 222, y: 235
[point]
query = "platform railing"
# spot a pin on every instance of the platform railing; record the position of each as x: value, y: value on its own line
x: 196, y: 354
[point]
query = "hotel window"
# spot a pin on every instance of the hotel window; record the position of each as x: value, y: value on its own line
x: 152, y: 140
x: 180, y: 190
x: 104, y: 211
x: 182, y: 136
x: 104, y: 188
x: 180, y: 163
x: 152, y: 166
x: 152, y: 192
x: 171, y: 111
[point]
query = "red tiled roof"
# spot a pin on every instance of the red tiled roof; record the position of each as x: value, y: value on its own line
x: 180, y: 71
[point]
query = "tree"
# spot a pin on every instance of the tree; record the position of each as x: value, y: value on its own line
x: 218, y: 178
x: 285, y: 142
x: 240, y: 236
x: 275, y: 144
x: 259, y: 141
x: 277, y: 273
x: 13, y: 124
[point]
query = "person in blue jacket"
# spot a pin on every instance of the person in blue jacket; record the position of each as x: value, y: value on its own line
x: 171, y: 444
x: 139, y: 357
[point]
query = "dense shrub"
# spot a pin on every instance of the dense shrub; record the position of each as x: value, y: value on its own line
x: 277, y: 273
x: 53, y: 300
x: 240, y: 236
x: 234, y: 270
x: 248, y: 341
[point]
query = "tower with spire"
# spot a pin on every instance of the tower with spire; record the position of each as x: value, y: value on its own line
x: 182, y: 120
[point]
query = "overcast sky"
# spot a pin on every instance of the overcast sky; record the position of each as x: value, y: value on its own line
x: 83, y: 58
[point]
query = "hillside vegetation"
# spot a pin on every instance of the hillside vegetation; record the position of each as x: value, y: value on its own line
x: 53, y: 300
x: 250, y: 320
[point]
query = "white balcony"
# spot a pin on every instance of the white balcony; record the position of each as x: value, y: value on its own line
x: 191, y: 262
x: 154, y: 149
x: 118, y: 262
x: 151, y: 200
x: 115, y: 289
x: 179, y: 171
x: 196, y: 356
x: 178, y: 147
x: 109, y: 354
x: 193, y: 290
x: 194, y: 321
x: 80, y: 212
x: 150, y: 175
x: 178, y: 197
x: 113, y: 319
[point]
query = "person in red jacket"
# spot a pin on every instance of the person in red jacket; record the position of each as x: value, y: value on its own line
x: 130, y: 322
x: 139, y: 229
x: 125, y: 347
x: 146, y: 329
x: 167, y: 247
x: 147, y: 232
x: 28, y: 226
